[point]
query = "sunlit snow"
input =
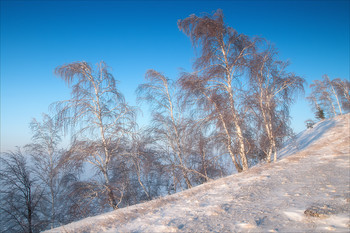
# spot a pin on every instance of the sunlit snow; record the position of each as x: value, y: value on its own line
x: 313, y: 171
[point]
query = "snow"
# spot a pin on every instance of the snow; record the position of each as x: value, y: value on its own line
x: 313, y: 171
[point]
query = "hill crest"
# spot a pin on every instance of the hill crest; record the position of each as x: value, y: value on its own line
x: 310, y: 178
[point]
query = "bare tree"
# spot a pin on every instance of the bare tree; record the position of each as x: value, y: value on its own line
x: 101, y: 116
x: 216, y: 82
x: 330, y: 85
x: 320, y: 98
x: 167, y: 119
x: 49, y: 163
x: 314, y: 101
x: 137, y: 151
x: 330, y: 95
x: 146, y: 161
x: 271, y: 94
x: 20, y: 195
x: 342, y: 87
x: 205, y: 152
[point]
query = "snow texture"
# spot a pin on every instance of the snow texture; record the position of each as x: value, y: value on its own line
x: 306, y: 190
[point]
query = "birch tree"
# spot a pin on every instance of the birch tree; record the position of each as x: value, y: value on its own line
x: 101, y: 119
x: 342, y: 87
x: 20, y: 194
x: 332, y: 96
x: 205, y: 152
x: 320, y: 98
x: 271, y: 94
x: 49, y: 164
x: 331, y: 88
x: 167, y: 120
x: 217, y: 79
x: 147, y: 165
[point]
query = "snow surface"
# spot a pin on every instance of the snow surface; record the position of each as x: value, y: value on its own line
x: 313, y: 171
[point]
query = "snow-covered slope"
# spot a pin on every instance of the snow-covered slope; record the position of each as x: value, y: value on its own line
x: 308, y: 189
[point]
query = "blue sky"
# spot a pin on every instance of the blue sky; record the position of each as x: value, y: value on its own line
x: 133, y: 36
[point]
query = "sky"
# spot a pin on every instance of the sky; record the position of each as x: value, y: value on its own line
x: 134, y: 36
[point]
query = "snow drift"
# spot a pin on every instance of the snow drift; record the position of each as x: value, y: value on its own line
x: 308, y: 189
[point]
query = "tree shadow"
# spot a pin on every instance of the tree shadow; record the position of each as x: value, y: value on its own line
x: 306, y: 138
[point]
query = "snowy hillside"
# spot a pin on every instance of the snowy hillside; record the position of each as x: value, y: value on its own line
x: 308, y: 189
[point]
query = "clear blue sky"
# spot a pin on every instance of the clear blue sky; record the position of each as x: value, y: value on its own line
x: 133, y: 36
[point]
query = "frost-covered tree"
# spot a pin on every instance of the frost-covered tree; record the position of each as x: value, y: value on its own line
x: 52, y: 170
x: 272, y: 91
x: 332, y: 90
x: 342, y: 88
x: 169, y: 125
x: 330, y: 95
x: 102, y: 121
x: 223, y: 56
x: 147, y: 164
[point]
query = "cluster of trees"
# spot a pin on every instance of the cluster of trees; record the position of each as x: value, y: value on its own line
x: 329, y: 98
x: 228, y: 114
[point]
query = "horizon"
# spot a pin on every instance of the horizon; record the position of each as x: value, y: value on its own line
x: 132, y: 37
